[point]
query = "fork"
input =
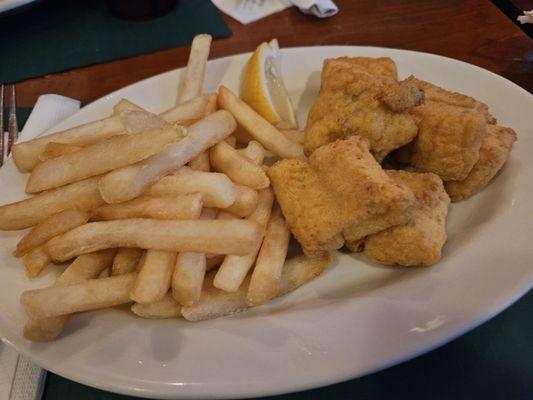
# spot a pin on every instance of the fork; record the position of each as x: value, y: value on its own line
x: 13, y: 131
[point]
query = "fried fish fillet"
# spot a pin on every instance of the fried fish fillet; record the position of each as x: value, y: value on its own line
x: 492, y: 156
x: 448, y: 141
x: 340, y: 194
x: 361, y: 96
x: 419, y: 242
x: 437, y: 94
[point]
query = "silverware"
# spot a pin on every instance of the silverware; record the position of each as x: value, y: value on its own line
x: 12, y: 126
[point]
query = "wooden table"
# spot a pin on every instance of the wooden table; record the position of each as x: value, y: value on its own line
x: 475, y: 31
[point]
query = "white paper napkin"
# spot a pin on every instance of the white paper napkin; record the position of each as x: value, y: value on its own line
x: 527, y: 18
x: 246, y: 11
x: 20, y: 379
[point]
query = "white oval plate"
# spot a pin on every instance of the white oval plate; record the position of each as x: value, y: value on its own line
x: 354, y: 319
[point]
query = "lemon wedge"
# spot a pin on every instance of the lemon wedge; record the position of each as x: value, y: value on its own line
x: 263, y: 88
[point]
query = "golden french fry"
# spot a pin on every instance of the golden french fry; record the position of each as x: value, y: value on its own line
x: 265, y: 133
x: 191, y: 85
x: 212, y: 104
x: 26, y: 154
x: 191, y: 110
x: 189, y: 271
x: 126, y: 260
x: 253, y: 152
x: 188, y: 277
x: 241, y: 170
x: 101, y: 157
x: 294, y: 135
x: 215, y: 303
x: 129, y: 182
x: 87, y: 266
x: 221, y: 237
x: 167, y: 307
x: 52, y: 226
x: 125, y: 105
x: 135, y: 121
x: 35, y: 261
x: 83, y: 195
x: 234, y: 268
x: 153, y: 280
x: 264, y: 284
x: 245, y: 201
x: 53, y: 150
x: 201, y: 163
x: 225, y: 215
x: 217, y: 189
x: 88, y: 295
x: 186, y: 206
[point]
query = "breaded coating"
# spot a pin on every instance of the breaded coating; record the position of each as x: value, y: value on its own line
x: 381, y: 67
x: 341, y: 191
x: 492, y: 156
x: 362, y: 99
x: 418, y: 242
x: 437, y: 94
x: 448, y: 140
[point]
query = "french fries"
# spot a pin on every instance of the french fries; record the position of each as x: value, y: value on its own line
x: 88, y: 295
x: 241, y: 170
x: 253, y: 152
x: 234, y: 268
x: 153, y: 280
x: 35, y: 261
x: 125, y: 105
x: 129, y: 182
x: 52, y: 226
x: 294, y: 135
x: 126, y: 260
x: 188, y: 277
x: 84, y: 195
x: 265, y: 133
x: 87, y: 266
x: 215, y: 303
x: 167, y: 307
x: 266, y: 276
x: 194, y: 73
x: 186, y: 206
x: 219, y: 237
x: 185, y: 113
x: 135, y: 121
x: 245, y: 201
x: 100, y: 157
x: 26, y: 154
x: 53, y: 150
x: 134, y: 192
x: 217, y: 189
x: 189, y: 271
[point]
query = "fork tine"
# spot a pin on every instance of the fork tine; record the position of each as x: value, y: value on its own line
x: 13, y: 126
x: 1, y: 125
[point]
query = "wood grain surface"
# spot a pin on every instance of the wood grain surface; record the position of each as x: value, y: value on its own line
x: 475, y: 31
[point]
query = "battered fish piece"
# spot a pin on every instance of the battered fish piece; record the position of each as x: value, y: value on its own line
x: 419, y: 242
x: 340, y: 194
x: 361, y: 96
x: 492, y: 156
x: 448, y: 141
x: 437, y: 94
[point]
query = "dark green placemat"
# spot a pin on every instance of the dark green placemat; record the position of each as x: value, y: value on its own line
x: 495, y: 361
x: 58, y: 35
